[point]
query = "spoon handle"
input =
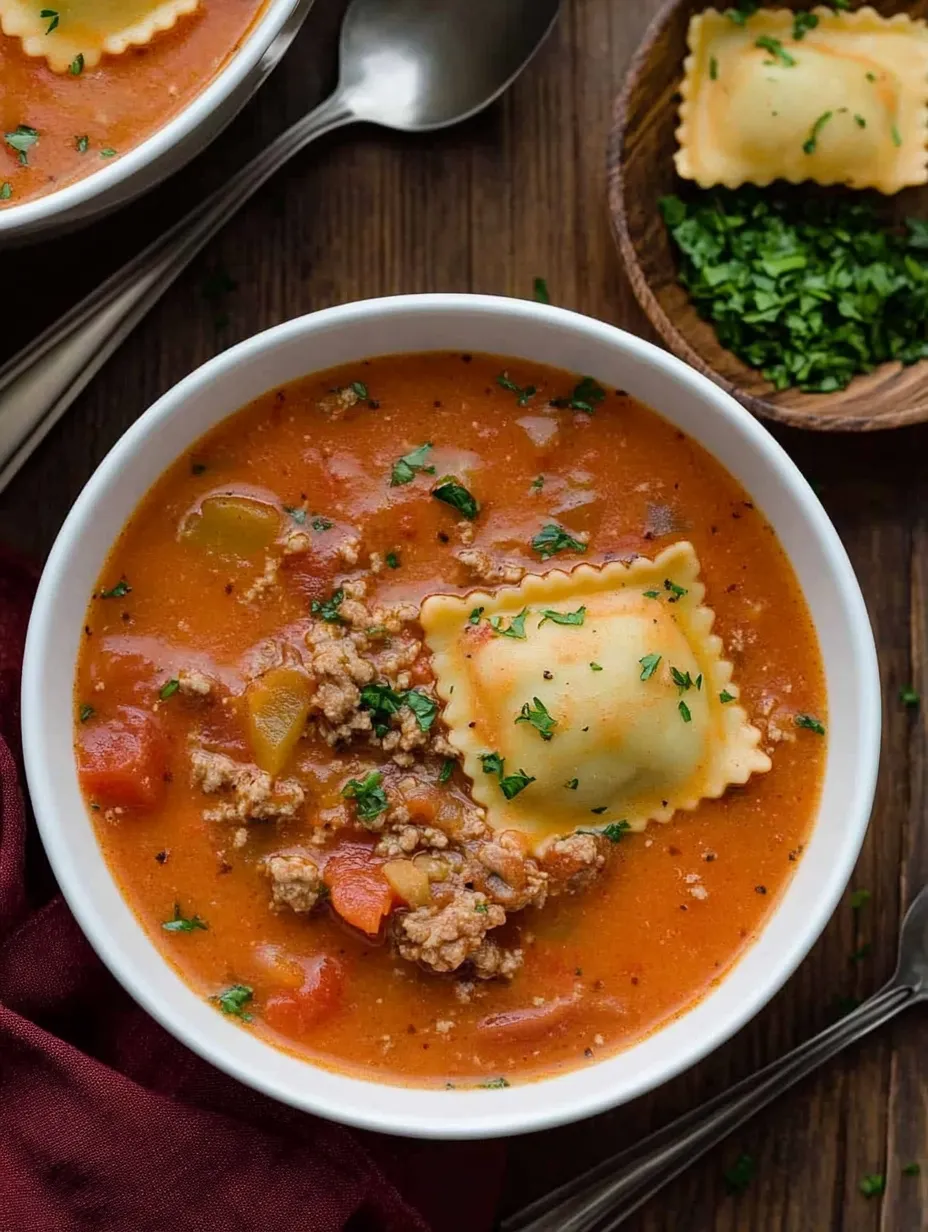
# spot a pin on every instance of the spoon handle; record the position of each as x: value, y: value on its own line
x: 39, y: 384
x: 605, y: 1196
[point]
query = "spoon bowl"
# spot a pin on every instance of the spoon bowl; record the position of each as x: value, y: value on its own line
x: 417, y: 67
x: 411, y: 65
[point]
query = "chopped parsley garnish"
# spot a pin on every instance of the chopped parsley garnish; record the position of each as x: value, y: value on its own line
x: 53, y: 18
x: 713, y: 69
x: 652, y: 594
x: 495, y: 1084
x: 458, y: 497
x: 742, y: 10
x: 909, y: 696
x: 537, y: 714
x: 873, y: 1184
x: 810, y: 723
x: 119, y: 591
x: 368, y: 794
x: 295, y: 512
x: 359, y: 388
x: 683, y: 680
x: 563, y: 618
x: 22, y: 139
x: 870, y: 76
x: 810, y: 293
x: 809, y: 145
x: 595, y: 667
x: 406, y: 468
x: 586, y: 395
x: 896, y: 136
x: 740, y: 1174
x: 423, y: 707
x: 614, y: 831
x: 685, y: 713
x: 725, y: 697
x: 168, y: 689
x: 649, y: 665
x: 6, y: 190
x: 599, y: 811
x: 233, y: 1001
x: 676, y: 592
x: 776, y: 49
x: 492, y: 763
x: 392, y: 560
x: 538, y: 483
x: 183, y: 924
x: 524, y: 393
x: 76, y: 67
x: 321, y: 524
x: 541, y: 291
x: 552, y: 539
x: 446, y: 771
x: 803, y: 22
x: 572, y: 784
x: 859, y: 898
x: 516, y: 627
x: 82, y: 144
x: 384, y: 702
x: 328, y: 608
x: 510, y: 784
x: 859, y: 120
x: 108, y: 152
x: 474, y: 617
x: 86, y: 712
x: 482, y: 908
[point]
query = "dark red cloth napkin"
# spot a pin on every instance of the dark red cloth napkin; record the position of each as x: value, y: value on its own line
x: 108, y: 1124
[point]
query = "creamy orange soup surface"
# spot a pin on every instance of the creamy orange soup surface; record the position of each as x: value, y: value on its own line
x: 62, y: 126
x: 262, y: 746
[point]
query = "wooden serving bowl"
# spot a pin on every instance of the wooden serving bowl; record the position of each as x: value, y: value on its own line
x: 641, y: 171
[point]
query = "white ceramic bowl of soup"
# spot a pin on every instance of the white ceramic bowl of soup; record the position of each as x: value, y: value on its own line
x: 532, y: 332
x: 172, y: 145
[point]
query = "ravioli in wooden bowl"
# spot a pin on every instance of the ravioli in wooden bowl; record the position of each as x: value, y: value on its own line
x: 767, y: 185
x: 456, y: 700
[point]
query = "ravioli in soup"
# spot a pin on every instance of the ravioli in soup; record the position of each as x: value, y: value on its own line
x: 85, y: 81
x: 450, y: 719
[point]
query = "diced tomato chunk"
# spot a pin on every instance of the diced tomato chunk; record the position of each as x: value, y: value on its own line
x: 359, y: 891
x: 122, y: 762
x: 294, y: 1012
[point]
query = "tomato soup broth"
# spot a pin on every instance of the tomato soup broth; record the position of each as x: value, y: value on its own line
x: 673, y: 907
x: 84, y: 120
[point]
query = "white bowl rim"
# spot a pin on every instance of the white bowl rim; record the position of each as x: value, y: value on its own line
x: 414, y: 1111
x: 148, y: 153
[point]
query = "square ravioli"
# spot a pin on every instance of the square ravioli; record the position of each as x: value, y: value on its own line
x: 590, y: 699
x: 74, y: 35
x: 838, y: 98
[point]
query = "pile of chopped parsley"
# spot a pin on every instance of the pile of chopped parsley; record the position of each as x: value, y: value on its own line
x: 811, y: 289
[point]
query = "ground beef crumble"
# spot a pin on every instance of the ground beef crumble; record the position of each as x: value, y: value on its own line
x: 253, y: 794
x: 295, y: 881
x: 481, y: 566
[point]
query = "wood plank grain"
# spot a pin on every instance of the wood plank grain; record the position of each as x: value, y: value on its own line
x: 515, y: 194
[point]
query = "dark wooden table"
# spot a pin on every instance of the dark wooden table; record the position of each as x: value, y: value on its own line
x: 516, y: 193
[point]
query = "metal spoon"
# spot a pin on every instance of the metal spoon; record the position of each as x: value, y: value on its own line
x: 604, y: 1197
x: 410, y: 65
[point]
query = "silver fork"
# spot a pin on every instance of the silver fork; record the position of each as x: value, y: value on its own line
x: 605, y: 1196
